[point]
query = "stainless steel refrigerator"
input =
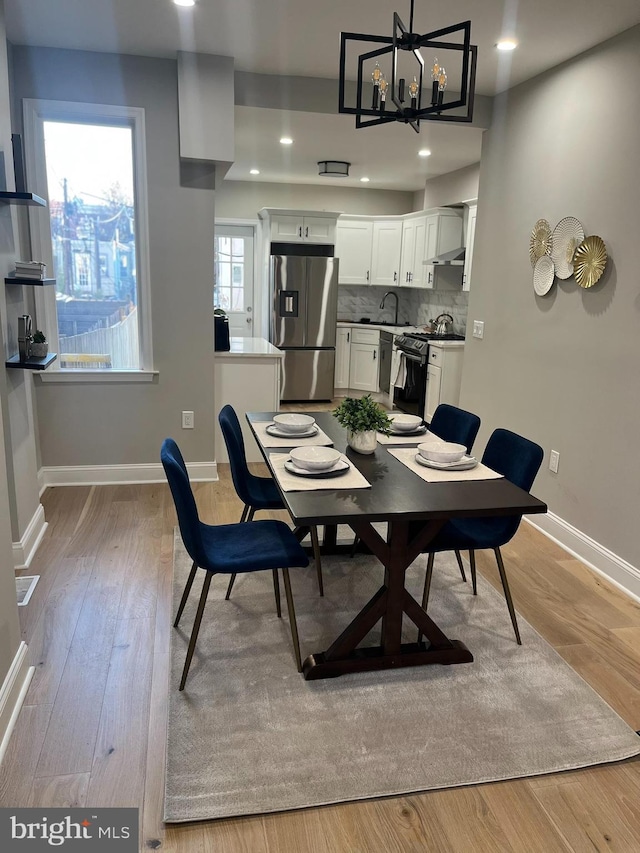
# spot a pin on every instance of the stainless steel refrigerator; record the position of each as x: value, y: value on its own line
x: 304, y: 298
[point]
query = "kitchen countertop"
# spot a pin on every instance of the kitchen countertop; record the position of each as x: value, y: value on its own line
x: 256, y: 347
x: 399, y: 330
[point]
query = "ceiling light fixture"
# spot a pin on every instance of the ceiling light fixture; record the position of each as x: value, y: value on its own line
x: 185, y: 2
x: 424, y: 152
x: 254, y: 171
x: 374, y: 88
x: 286, y: 140
x: 334, y: 168
x: 365, y: 180
x: 507, y: 44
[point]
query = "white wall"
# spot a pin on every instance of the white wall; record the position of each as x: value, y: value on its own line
x: 563, y: 369
x: 452, y: 188
x: 243, y: 199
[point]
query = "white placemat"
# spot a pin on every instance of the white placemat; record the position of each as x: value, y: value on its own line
x: 407, y: 455
x: 320, y: 439
x: 352, y: 479
x: 403, y: 439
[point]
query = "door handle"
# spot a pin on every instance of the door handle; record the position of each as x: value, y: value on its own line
x: 299, y: 230
x: 410, y: 277
x: 306, y: 231
x: 395, y: 276
x: 430, y: 277
x: 348, y: 338
x: 375, y: 355
x: 464, y: 280
x: 367, y: 275
x: 288, y: 303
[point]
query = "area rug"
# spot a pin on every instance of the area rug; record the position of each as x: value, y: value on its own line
x: 248, y: 735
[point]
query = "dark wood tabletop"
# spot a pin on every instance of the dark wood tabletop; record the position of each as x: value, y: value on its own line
x: 396, y: 492
x: 397, y: 496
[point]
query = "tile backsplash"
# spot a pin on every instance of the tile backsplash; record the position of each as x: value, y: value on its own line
x: 414, y: 306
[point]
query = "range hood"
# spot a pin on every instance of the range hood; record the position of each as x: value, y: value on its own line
x: 454, y: 258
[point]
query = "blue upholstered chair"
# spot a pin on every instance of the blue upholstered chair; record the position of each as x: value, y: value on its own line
x: 228, y: 549
x: 453, y: 424
x: 519, y: 460
x: 255, y: 492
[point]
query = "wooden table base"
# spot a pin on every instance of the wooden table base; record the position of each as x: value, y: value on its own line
x: 368, y: 659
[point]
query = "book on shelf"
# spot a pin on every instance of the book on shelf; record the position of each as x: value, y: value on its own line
x: 30, y: 269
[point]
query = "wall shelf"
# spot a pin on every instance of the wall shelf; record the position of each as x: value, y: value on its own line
x: 22, y: 198
x: 37, y: 282
x: 32, y: 363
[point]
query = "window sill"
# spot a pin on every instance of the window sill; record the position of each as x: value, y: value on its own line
x: 98, y: 376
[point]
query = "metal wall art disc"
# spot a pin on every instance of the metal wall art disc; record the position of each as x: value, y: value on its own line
x: 567, y: 236
x: 540, y: 242
x: 543, y: 275
x: 589, y: 261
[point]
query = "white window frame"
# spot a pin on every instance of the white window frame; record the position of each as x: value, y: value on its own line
x: 35, y: 113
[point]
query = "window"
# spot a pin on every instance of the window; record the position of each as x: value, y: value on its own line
x: 233, y: 276
x: 90, y: 159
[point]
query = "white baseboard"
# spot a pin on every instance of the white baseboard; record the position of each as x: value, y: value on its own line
x: 12, y: 693
x: 102, y: 475
x: 24, y: 550
x: 603, y: 561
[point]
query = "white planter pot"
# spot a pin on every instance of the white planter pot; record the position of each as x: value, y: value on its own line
x: 39, y: 350
x: 362, y: 442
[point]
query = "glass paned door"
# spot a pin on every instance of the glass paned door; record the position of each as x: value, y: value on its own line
x: 233, y: 277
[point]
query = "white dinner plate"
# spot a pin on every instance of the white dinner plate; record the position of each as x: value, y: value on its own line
x: 340, y: 467
x: 420, y: 431
x: 272, y: 429
x: 464, y: 464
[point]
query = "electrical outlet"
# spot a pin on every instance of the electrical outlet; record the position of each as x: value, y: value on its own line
x: 554, y: 461
x: 478, y: 328
x: 187, y: 420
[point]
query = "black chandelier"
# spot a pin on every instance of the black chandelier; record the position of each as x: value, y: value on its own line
x: 381, y: 98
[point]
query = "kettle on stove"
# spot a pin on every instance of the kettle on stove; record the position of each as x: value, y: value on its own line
x: 444, y: 324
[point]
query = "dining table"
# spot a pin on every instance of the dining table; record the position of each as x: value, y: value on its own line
x: 399, y: 497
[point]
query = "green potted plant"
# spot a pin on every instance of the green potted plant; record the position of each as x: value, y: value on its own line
x: 362, y: 417
x: 39, y: 345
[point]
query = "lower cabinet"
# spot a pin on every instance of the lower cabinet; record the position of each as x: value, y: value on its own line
x: 444, y: 375
x: 357, y: 359
x: 343, y: 353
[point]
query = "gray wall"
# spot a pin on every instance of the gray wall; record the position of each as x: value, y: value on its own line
x: 243, y: 199
x: 9, y: 628
x: 452, y: 188
x: 563, y: 369
x: 91, y: 424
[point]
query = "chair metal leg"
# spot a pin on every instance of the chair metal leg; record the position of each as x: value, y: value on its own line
x: 276, y: 590
x: 507, y: 594
x: 252, y: 512
x: 316, y: 553
x: 232, y: 580
x: 185, y: 594
x: 460, y: 566
x: 245, y: 510
x: 474, y: 580
x: 427, y: 587
x: 292, y: 618
x: 196, y: 627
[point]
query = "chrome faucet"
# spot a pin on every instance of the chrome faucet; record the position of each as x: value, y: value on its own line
x: 391, y: 293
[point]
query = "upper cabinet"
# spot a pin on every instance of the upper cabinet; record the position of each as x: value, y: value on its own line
x: 470, y: 237
x: 369, y: 250
x: 290, y: 226
x: 388, y: 251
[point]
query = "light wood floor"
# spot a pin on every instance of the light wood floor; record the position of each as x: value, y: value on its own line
x: 92, y: 730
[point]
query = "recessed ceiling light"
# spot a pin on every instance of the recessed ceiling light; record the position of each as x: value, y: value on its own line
x: 365, y: 180
x: 286, y: 140
x: 254, y: 171
x: 424, y: 152
x: 185, y: 2
x: 507, y: 44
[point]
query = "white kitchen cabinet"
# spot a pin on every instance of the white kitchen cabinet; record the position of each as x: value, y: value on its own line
x: 468, y: 255
x: 412, y: 269
x: 369, y: 250
x: 300, y: 226
x: 353, y: 248
x: 364, y: 357
x: 385, y: 252
x: 343, y: 357
x: 444, y: 375
x: 443, y: 234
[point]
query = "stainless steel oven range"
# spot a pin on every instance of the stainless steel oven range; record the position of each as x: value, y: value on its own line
x: 411, y: 394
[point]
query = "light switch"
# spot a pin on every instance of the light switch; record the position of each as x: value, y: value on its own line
x: 478, y: 328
